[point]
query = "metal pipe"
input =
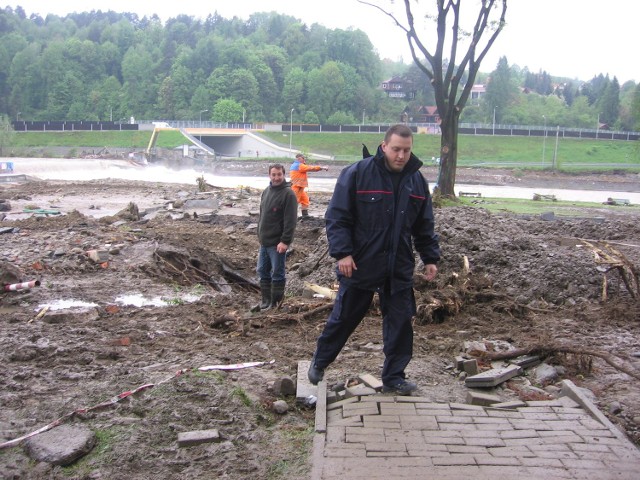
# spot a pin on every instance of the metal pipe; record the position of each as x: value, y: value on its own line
x: 21, y: 286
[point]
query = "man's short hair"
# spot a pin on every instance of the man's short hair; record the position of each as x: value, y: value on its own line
x: 398, y: 129
x: 277, y: 166
x: 299, y: 155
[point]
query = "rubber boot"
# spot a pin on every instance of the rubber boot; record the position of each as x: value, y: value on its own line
x: 277, y: 294
x: 265, y: 290
x: 305, y: 215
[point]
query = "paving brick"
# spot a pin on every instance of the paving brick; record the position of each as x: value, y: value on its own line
x: 403, y: 453
x: 460, y: 459
x: 519, y: 434
x: 466, y: 449
x: 397, y: 408
x: 420, y: 401
x: 522, y: 473
x: 583, y: 464
x: 454, y: 419
x: 363, y: 431
x: 432, y: 412
x: 370, y: 381
x: 589, y: 447
x: 521, y: 452
x: 432, y: 406
x: 386, y: 447
x: 540, y: 462
x: 485, y: 441
x: 404, y: 436
x: 337, y: 421
x: 491, y: 420
x: 487, y: 459
x: 540, y: 415
x: 464, y: 406
x: 421, y: 422
x: 522, y: 424
x: 359, y: 409
x: 364, y: 438
x: 197, y: 437
x: 426, y: 450
x: 335, y: 435
x: 503, y: 413
x: 341, y: 403
x: 344, y: 451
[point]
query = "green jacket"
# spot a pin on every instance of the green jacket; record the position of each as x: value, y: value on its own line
x: 278, y: 215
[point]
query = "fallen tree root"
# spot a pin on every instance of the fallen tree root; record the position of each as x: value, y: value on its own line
x: 612, y: 259
x: 545, y: 351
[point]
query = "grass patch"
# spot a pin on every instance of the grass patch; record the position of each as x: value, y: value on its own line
x: 298, y: 444
x: 573, y: 154
x: 532, y: 207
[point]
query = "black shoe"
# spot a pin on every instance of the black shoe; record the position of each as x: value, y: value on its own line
x: 403, y: 387
x: 315, y: 374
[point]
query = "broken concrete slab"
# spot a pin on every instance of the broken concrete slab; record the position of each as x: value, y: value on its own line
x: 370, y: 381
x: 493, y: 377
x: 484, y: 399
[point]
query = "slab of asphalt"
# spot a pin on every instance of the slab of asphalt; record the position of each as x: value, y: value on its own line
x: 404, y: 437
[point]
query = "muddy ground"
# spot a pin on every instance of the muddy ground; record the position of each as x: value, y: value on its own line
x: 173, y: 285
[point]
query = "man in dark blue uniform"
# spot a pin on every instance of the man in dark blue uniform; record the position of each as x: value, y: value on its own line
x: 381, y: 208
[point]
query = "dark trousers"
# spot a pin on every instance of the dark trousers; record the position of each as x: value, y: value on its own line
x: 350, y: 307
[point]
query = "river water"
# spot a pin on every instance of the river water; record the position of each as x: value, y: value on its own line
x: 96, y: 169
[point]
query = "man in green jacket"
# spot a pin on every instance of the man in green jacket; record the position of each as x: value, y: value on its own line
x: 276, y: 227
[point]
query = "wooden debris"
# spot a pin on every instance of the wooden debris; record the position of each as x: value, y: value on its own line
x: 548, y: 350
x: 612, y: 259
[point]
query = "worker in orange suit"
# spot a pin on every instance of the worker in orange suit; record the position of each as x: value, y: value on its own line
x: 298, y: 172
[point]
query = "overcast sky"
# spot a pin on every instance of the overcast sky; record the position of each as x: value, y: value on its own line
x: 571, y: 38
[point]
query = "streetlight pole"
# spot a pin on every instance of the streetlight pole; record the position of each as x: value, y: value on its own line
x: 18, y: 116
x: 494, y: 120
x: 291, y: 131
x: 544, y: 141
x: 363, y: 112
x: 243, y: 112
x: 201, y: 112
x: 555, y: 153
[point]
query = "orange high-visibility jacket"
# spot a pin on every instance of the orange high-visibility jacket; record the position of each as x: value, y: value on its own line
x: 298, y: 173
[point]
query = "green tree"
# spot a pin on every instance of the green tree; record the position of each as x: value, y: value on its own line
x: 501, y: 91
x: 227, y: 110
x: 635, y: 108
x: 293, y: 90
x: 609, y: 102
x: 7, y: 134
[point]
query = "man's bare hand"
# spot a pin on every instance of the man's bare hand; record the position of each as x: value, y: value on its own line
x: 430, y: 272
x: 346, y: 266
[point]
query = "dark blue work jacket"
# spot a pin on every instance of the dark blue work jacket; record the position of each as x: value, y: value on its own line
x: 366, y: 220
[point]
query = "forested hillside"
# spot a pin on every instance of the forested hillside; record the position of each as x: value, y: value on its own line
x: 272, y: 67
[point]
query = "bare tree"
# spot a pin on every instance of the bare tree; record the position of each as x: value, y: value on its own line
x: 451, y: 80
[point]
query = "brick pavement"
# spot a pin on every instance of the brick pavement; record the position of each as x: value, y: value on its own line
x: 394, y: 437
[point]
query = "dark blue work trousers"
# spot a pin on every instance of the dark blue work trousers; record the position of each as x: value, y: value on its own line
x: 350, y: 307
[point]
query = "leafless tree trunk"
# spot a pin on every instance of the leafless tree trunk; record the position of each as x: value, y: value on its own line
x: 452, y: 81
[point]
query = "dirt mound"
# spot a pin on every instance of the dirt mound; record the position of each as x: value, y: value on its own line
x: 173, y: 291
